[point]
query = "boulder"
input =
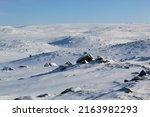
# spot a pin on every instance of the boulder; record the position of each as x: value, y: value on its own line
x: 7, y: 69
x: 53, y: 64
x: 126, y: 90
x: 22, y: 66
x: 84, y: 62
x: 87, y: 57
x: 142, y: 73
x: 126, y: 80
x: 50, y: 64
x: 62, y: 67
x: 85, y: 53
x: 72, y: 90
x: 68, y: 63
x: 42, y: 95
x: 66, y: 91
x: 100, y: 59
x: 46, y: 65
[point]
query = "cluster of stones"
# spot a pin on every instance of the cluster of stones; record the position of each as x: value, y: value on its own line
x: 141, y: 76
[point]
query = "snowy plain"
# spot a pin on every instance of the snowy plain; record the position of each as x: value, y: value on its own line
x: 26, y: 51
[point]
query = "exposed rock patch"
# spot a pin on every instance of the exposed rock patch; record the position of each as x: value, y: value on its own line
x: 7, y: 69
x: 87, y: 57
x: 42, y: 95
x: 24, y: 98
x: 142, y: 73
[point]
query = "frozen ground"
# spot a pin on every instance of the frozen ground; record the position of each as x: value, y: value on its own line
x: 26, y: 51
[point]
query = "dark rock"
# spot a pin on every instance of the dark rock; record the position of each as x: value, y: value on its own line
x: 84, y: 62
x: 85, y: 53
x: 126, y: 80
x: 142, y: 73
x: 136, y: 78
x: 10, y: 69
x: 46, y: 65
x: 148, y: 72
x: 24, y: 98
x: 87, y: 57
x: 135, y: 73
x: 126, y: 90
x: 22, y: 66
x: 101, y: 60
x: 17, y: 99
x: 21, y: 79
x: 7, y: 69
x: 68, y: 63
x: 66, y: 91
x: 106, y: 61
x: 50, y: 64
x: 62, y: 68
x: 126, y: 67
x: 42, y: 95
x: 71, y: 90
x: 121, y: 60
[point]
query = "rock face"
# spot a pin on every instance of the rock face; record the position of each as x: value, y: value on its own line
x: 142, y: 73
x: 87, y: 57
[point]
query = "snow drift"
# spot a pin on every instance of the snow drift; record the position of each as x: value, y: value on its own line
x: 40, y: 62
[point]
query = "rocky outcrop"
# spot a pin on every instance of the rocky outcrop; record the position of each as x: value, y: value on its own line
x: 142, y: 73
x: 100, y: 59
x: 86, y: 57
x: 7, y: 69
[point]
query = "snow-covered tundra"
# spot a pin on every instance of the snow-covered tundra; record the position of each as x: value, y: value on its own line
x: 75, y: 61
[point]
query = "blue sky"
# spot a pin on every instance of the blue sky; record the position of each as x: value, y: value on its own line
x: 26, y: 12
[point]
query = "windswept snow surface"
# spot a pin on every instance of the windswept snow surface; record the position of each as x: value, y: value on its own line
x: 32, y: 62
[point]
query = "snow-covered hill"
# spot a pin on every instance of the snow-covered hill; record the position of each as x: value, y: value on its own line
x: 40, y: 62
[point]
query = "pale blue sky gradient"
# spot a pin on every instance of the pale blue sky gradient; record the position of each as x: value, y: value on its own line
x: 27, y: 12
